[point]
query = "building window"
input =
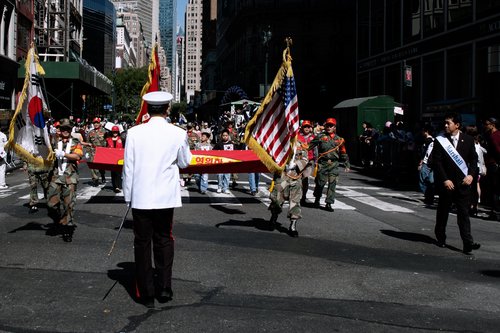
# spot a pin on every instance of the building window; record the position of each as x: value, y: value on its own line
x: 411, y: 20
x: 433, y: 76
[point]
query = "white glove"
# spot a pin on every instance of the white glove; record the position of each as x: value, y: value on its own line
x: 60, y: 153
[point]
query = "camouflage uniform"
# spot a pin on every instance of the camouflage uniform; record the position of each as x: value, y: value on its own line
x: 288, y: 186
x: 331, y: 150
x: 37, y: 175
x: 62, y: 189
x: 97, y: 137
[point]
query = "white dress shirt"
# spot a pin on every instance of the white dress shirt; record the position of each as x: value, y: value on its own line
x: 154, y: 152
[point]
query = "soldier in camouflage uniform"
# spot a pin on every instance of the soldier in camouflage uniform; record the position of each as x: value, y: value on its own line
x: 36, y: 175
x: 288, y: 186
x: 331, y: 151
x: 97, y: 138
x: 62, y: 188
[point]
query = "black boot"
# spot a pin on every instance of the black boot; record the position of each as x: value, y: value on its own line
x: 329, y: 207
x: 316, y: 203
x: 273, y: 221
x: 67, y: 233
x: 292, y: 230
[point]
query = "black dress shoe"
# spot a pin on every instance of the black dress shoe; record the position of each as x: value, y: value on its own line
x: 148, y: 301
x: 33, y: 209
x: 165, y: 295
x: 329, y: 207
x: 469, y: 247
x: 441, y: 244
x: 316, y: 203
x: 293, y: 233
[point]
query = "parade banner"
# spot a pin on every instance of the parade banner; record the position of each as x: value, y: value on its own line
x: 153, y: 84
x: 203, y: 161
x: 272, y: 131
x: 28, y: 133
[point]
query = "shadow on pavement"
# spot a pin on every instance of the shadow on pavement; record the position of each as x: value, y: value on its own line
x: 414, y: 237
x: 227, y: 210
x: 492, y: 273
x: 125, y: 277
x: 256, y: 223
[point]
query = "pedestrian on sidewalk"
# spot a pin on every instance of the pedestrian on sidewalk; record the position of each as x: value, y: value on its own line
x: 426, y: 175
x: 493, y: 165
x: 154, y: 152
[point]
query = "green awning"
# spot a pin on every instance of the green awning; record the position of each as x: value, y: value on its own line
x: 87, y: 79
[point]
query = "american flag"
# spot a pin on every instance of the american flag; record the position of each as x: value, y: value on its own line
x: 271, y: 132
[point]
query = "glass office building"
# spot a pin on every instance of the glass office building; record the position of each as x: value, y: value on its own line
x: 99, y: 32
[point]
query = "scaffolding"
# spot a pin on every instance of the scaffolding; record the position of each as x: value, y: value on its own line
x: 59, y: 29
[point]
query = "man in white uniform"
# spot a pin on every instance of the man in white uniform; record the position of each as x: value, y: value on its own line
x: 154, y: 152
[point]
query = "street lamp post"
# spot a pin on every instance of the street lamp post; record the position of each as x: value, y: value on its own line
x: 266, y: 37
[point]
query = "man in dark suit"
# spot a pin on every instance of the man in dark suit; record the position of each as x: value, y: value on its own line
x: 454, y: 161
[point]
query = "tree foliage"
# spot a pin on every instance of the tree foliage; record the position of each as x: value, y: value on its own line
x: 128, y: 83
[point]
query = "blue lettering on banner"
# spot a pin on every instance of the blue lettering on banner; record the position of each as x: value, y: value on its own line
x: 457, y: 158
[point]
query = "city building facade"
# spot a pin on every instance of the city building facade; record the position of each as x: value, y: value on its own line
x: 193, y: 42
x: 125, y: 52
x: 9, y: 55
x: 167, y: 27
x: 323, y: 49
x: 100, y: 27
x: 179, y: 68
x: 431, y: 56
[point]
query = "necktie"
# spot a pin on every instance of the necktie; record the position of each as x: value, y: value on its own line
x: 455, y: 141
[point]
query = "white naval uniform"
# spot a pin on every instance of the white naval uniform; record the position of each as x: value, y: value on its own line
x: 154, y: 152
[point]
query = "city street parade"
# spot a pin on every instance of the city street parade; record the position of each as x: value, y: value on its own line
x: 193, y: 189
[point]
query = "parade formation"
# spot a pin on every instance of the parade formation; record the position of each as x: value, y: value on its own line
x: 154, y: 160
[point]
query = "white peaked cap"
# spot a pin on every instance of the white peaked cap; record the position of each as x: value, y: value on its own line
x: 157, y: 97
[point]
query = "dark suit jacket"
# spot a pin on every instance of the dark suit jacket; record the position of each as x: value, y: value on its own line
x: 444, y: 167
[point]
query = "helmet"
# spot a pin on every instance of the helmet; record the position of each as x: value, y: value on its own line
x: 332, y: 121
x: 115, y: 129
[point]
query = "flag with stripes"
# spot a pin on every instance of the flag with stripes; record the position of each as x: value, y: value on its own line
x: 153, y: 84
x: 28, y: 133
x: 272, y: 131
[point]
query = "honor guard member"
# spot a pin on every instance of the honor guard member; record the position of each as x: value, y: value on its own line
x: 331, y: 151
x: 62, y: 188
x: 97, y: 138
x: 305, y: 137
x: 154, y: 152
x: 288, y: 186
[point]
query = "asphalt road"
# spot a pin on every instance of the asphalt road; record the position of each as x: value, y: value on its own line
x: 370, y: 266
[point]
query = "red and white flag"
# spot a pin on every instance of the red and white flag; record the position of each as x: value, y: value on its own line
x: 153, y: 84
x: 272, y: 131
x: 28, y: 133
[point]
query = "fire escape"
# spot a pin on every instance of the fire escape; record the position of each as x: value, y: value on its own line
x: 58, y: 29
